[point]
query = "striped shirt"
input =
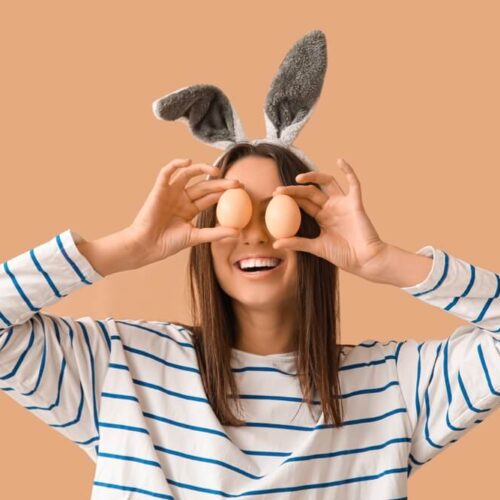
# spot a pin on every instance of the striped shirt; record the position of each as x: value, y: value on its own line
x: 129, y: 392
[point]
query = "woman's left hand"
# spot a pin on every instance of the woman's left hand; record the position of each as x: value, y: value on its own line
x: 347, y: 238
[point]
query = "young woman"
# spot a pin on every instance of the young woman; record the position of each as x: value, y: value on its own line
x: 257, y: 398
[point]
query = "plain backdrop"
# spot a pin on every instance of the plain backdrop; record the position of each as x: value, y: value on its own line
x: 411, y: 100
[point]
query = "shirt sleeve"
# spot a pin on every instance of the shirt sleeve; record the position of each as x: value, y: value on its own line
x: 53, y: 366
x: 451, y: 385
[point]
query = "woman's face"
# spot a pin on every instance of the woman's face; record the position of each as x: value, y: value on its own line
x: 262, y: 290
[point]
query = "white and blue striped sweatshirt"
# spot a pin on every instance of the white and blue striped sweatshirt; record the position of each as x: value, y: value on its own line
x: 129, y: 392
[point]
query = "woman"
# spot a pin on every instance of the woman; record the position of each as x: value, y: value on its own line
x: 215, y: 409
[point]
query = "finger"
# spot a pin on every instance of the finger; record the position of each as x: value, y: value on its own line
x: 203, y: 188
x: 182, y: 176
x: 309, y: 207
x: 298, y: 244
x: 331, y: 185
x: 167, y: 171
x: 351, y: 177
x: 207, y: 201
x: 311, y: 192
x: 208, y: 234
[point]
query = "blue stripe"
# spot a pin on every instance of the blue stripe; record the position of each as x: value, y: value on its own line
x: 488, y: 302
x: 123, y: 427
x: 92, y: 368
x: 441, y: 280
x: 415, y: 461
x: 130, y: 459
x: 448, y: 389
x: 353, y: 451
x: 428, y: 403
x: 21, y: 357
x: 209, y: 461
x: 376, y: 343
x: 130, y: 488
x: 4, y: 319
x: 146, y: 354
x: 274, y: 426
x: 398, y: 349
x: 327, y: 426
x: 291, y: 488
x: 170, y: 392
x: 59, y: 387
x: 105, y: 333
x: 242, y: 472
x: 472, y: 279
x: 242, y: 369
x: 19, y: 289
x: 42, y: 363
x: 70, y: 261
x: 235, y: 370
x: 466, y: 396
x: 186, y: 426
x: 369, y: 363
x: 268, y: 453
x: 85, y: 443
x: 417, y: 389
x: 7, y: 338
x: 486, y: 372
x: 118, y: 366
x: 158, y: 333
x: 118, y: 396
x: 45, y: 275
x: 248, y: 396
x: 78, y: 413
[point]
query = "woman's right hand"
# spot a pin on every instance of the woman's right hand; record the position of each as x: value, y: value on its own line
x: 163, y: 225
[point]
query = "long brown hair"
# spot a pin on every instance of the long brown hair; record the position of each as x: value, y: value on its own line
x: 317, y: 304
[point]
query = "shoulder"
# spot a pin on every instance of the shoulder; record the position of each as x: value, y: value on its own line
x: 371, y: 352
x: 140, y: 331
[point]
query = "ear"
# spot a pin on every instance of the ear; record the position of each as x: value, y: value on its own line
x: 206, y: 110
x: 296, y: 87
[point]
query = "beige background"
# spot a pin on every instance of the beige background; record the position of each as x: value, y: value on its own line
x: 410, y: 99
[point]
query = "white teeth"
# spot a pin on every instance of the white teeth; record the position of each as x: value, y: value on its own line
x: 248, y: 263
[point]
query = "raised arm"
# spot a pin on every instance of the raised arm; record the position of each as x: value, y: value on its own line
x: 451, y: 384
x: 56, y: 366
x: 53, y: 366
x: 448, y: 385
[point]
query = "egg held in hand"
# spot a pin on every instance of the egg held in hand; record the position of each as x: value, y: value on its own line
x: 234, y: 208
x: 283, y: 216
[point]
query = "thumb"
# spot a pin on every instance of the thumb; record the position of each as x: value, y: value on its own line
x: 295, y: 243
x: 208, y: 234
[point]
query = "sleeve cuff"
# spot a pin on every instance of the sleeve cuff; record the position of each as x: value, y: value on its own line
x: 69, y: 240
x: 436, y: 272
x: 43, y: 275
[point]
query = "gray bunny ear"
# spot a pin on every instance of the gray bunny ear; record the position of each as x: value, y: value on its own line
x: 206, y: 110
x: 296, y: 88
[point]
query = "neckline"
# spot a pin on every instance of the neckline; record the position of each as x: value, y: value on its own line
x: 263, y: 357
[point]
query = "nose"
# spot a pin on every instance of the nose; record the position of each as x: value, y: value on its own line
x: 256, y: 231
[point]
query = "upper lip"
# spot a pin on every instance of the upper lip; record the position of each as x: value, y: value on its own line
x: 257, y: 257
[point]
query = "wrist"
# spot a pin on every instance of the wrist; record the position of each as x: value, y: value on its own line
x: 112, y: 253
x: 397, y: 267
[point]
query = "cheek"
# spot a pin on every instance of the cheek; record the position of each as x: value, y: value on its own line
x: 221, y: 252
x: 292, y: 266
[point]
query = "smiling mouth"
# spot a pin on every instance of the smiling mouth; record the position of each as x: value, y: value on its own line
x: 259, y: 271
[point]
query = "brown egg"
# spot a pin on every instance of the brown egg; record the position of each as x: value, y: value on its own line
x: 234, y: 208
x: 283, y: 216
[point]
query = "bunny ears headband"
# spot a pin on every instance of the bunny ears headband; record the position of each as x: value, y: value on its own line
x: 289, y: 103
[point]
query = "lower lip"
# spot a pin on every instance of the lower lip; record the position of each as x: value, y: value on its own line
x: 259, y: 274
